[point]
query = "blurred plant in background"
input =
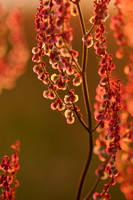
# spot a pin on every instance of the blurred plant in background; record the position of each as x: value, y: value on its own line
x: 14, y: 53
x: 122, y: 25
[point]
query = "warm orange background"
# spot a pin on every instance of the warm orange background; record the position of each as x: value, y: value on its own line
x: 52, y: 152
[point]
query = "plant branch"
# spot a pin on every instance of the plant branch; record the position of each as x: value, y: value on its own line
x: 85, y: 169
x: 77, y: 114
x: 96, y: 126
x: 97, y: 180
x: 76, y: 63
x: 81, y: 18
x: 80, y: 119
x: 101, y: 120
x: 91, y: 29
x: 88, y: 107
x: 87, y: 100
x: 84, y: 66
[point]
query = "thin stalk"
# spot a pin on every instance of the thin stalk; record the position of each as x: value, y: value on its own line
x: 88, y: 107
x: 96, y: 126
x: 78, y: 69
x: 75, y: 110
x: 76, y: 63
x: 109, y: 184
x: 80, y: 119
x: 101, y: 120
x: 85, y: 169
x: 81, y: 18
x: 84, y: 66
x: 87, y: 197
x: 91, y: 29
x: 87, y: 100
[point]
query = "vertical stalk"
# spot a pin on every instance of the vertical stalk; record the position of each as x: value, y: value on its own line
x: 84, y: 66
x: 81, y: 17
x: 87, y: 105
x: 85, y: 169
x: 87, y: 100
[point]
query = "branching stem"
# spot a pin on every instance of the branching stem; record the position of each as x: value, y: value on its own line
x: 88, y: 106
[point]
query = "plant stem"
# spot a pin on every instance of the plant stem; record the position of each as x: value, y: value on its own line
x: 80, y: 119
x: 77, y: 114
x: 97, y: 126
x: 88, y: 107
x: 78, y: 69
x: 101, y: 120
x: 85, y: 169
x: 81, y: 18
x: 87, y: 100
x: 87, y: 197
x: 84, y: 66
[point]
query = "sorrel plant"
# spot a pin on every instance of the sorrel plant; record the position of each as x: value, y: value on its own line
x: 113, y: 109
x: 54, y: 36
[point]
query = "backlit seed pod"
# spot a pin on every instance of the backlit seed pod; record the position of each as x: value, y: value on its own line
x: 88, y: 40
x: 69, y: 116
x: 74, y: 11
x: 77, y: 80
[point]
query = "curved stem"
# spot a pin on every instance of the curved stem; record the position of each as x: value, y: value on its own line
x: 85, y: 169
x: 87, y: 104
x: 80, y: 119
x: 90, y: 148
x: 91, y: 29
x: 97, y: 126
x: 101, y: 120
x: 81, y: 18
x: 87, y: 100
x: 84, y: 66
x: 87, y: 197
x: 78, y: 69
x: 77, y: 114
